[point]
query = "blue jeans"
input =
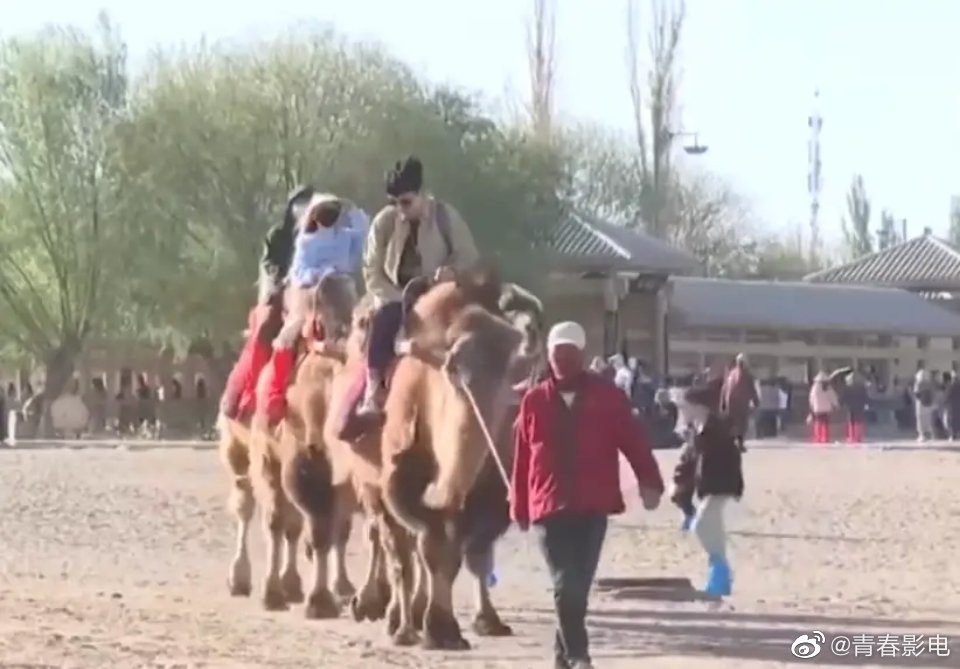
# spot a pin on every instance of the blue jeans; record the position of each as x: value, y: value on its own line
x: 571, y: 546
x: 384, y: 328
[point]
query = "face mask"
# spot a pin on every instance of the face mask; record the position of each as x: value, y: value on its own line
x: 566, y: 361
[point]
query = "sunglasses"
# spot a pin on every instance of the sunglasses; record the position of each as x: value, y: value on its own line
x: 404, y: 201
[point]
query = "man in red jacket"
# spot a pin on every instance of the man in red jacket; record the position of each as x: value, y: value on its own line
x: 569, y: 432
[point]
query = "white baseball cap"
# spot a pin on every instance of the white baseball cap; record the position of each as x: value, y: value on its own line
x: 567, y: 332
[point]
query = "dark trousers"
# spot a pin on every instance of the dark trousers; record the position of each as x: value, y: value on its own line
x: 384, y: 327
x: 571, y: 546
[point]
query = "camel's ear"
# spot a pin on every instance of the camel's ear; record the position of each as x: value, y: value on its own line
x: 516, y: 298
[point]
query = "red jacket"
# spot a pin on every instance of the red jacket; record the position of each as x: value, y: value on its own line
x: 566, y: 458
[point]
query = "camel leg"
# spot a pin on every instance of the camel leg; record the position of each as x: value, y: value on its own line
x: 371, y: 602
x: 486, y: 621
x: 398, y: 548
x: 321, y: 604
x: 242, y: 504
x: 342, y: 587
x: 290, y: 578
x: 442, y: 558
x: 420, y: 593
x: 275, y: 508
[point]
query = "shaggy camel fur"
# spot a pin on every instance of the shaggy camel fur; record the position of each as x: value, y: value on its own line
x: 483, y: 520
x: 293, y: 476
x: 433, y: 450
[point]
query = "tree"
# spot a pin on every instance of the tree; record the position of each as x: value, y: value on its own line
x: 64, y: 236
x: 541, y: 58
x: 955, y: 222
x: 654, y: 113
x: 887, y: 234
x: 219, y: 135
x: 857, y: 232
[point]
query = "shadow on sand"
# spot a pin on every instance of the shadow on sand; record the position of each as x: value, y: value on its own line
x: 647, y: 632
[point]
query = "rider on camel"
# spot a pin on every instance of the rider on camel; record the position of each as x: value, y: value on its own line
x: 415, y: 235
x: 266, y: 317
x: 320, y: 234
x: 329, y: 241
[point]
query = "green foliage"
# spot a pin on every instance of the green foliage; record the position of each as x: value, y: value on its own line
x: 63, y: 232
x: 857, y: 233
x: 955, y: 224
x: 888, y: 233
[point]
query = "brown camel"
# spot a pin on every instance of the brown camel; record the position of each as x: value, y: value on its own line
x: 484, y: 517
x: 290, y: 471
x: 434, y: 446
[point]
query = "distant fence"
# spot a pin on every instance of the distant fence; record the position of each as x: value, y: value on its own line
x: 92, y: 417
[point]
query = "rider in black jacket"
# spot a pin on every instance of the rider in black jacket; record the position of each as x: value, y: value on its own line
x: 266, y: 318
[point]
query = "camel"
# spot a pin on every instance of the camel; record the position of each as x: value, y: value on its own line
x: 288, y: 469
x: 456, y: 333
x: 482, y: 521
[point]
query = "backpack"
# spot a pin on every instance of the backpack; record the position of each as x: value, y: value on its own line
x: 443, y: 225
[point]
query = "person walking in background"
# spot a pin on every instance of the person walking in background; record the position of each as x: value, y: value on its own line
x: 3, y: 416
x: 923, y: 404
x: 855, y: 400
x: 622, y: 376
x: 710, y: 468
x: 768, y: 410
x: 569, y: 433
x: 823, y: 402
x: 738, y: 398
x: 952, y: 406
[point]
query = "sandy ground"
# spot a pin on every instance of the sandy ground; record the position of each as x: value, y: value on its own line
x: 115, y: 558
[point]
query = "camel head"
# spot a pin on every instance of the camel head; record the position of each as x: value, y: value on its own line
x: 525, y: 312
x: 483, y: 351
x: 334, y: 300
x: 359, y: 328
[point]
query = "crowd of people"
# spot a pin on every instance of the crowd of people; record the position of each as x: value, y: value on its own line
x: 139, y: 407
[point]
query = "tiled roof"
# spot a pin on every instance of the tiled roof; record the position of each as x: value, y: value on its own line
x: 799, y: 306
x: 922, y: 262
x: 593, y: 243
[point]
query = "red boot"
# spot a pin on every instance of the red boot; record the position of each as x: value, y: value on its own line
x: 238, y: 394
x: 273, y: 390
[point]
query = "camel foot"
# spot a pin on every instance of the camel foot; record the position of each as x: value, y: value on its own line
x: 393, y: 620
x: 322, y: 606
x: 292, y: 587
x: 442, y: 632
x: 368, y: 604
x: 491, y: 625
x: 344, y: 589
x: 432, y: 642
x: 405, y: 637
x: 240, y: 579
x: 239, y: 588
x: 273, y: 597
x: 419, y: 612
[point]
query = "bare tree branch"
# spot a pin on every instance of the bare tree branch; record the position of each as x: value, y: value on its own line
x: 541, y: 60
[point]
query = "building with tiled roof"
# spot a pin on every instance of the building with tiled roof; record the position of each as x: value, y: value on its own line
x: 612, y: 279
x: 794, y: 328
x: 925, y: 264
x: 587, y: 243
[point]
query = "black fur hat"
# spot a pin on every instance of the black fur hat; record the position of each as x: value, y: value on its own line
x: 297, y: 204
x: 405, y: 177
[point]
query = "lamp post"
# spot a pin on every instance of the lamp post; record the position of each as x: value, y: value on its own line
x: 691, y: 148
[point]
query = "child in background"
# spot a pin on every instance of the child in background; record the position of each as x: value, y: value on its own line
x: 710, y: 469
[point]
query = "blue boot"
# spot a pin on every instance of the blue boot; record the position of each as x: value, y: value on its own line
x: 686, y: 524
x: 719, y: 578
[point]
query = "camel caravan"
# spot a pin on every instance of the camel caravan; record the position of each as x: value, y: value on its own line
x: 426, y: 467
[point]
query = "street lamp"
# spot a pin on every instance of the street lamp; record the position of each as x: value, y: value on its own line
x: 695, y: 148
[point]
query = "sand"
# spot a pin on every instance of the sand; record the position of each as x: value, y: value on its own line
x: 116, y: 558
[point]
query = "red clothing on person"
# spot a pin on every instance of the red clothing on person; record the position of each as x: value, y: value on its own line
x: 566, y: 456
